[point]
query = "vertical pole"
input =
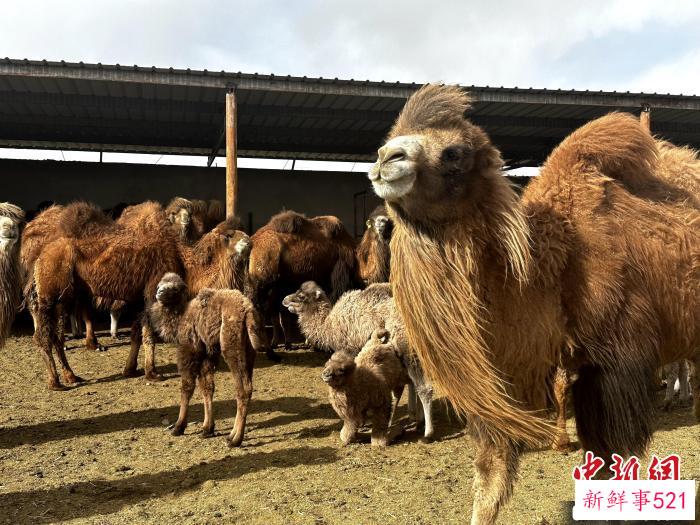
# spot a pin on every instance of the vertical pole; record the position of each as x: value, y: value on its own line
x: 231, y: 154
x: 645, y: 117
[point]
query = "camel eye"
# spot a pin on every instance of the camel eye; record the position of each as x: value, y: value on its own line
x: 301, y: 297
x: 451, y: 154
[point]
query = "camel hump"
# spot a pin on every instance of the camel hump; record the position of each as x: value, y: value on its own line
x: 616, y: 145
x: 330, y: 224
x: 288, y: 222
x: 82, y: 218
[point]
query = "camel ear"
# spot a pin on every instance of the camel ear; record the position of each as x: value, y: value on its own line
x: 317, y: 294
x: 369, y: 224
x: 382, y: 335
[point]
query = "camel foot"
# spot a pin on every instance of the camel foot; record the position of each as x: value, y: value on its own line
x: 71, y: 378
x: 154, y: 376
x: 234, y: 441
x: 178, y: 430
x: 101, y: 348
x: 57, y: 387
x: 207, y: 433
x: 130, y: 372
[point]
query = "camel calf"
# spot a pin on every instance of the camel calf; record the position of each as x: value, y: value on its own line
x: 216, y: 321
x: 361, y: 389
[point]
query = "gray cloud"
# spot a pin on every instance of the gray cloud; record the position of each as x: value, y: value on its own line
x: 504, y: 42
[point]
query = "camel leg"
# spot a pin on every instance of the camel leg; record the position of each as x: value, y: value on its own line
x: 496, y: 470
x: 150, y: 356
x: 348, y: 433
x: 425, y: 395
x: 412, y: 402
x: 132, y: 361
x: 695, y: 385
x: 91, y: 342
x: 75, y: 328
x: 395, y: 399
x: 241, y: 364
x: 561, y: 389
x: 684, y: 383
x: 380, y: 425
x: 188, y: 365
x: 68, y: 375
x: 206, y: 387
x: 672, y: 374
x: 44, y: 337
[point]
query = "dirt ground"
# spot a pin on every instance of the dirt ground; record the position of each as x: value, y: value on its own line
x: 101, y: 453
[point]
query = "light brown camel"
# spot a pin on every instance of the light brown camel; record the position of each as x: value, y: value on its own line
x: 11, y: 223
x: 292, y: 249
x: 595, y: 258
x: 373, y: 252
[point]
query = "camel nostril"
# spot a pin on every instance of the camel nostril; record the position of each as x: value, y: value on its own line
x: 396, y: 156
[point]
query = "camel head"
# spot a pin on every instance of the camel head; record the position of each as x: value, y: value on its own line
x: 237, y: 243
x: 435, y: 164
x: 305, y: 299
x: 338, y: 369
x: 11, y: 221
x: 380, y: 223
x: 171, y: 290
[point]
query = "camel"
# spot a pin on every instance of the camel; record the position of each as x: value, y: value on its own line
x: 292, y: 249
x: 373, y: 253
x: 119, y: 263
x: 599, y: 258
x: 215, y: 322
x: 11, y: 223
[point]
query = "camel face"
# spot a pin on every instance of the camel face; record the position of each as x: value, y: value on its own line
x: 381, y: 224
x: 338, y: 369
x: 305, y: 298
x: 9, y: 233
x: 397, y: 166
x: 171, y: 289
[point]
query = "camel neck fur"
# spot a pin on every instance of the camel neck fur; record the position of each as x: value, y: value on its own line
x: 312, y: 323
x: 476, y: 259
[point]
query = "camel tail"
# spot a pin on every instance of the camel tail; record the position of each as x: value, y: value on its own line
x: 616, y: 146
x: 255, y: 327
x: 614, y: 406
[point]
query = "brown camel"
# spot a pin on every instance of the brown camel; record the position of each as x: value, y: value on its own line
x: 595, y: 258
x: 215, y: 322
x: 373, y: 252
x: 39, y: 232
x: 292, y: 249
x: 11, y: 223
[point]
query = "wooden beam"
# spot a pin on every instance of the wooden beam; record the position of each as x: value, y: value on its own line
x: 231, y: 154
x: 645, y: 117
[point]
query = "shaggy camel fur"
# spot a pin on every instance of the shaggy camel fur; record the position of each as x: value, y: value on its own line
x: 291, y: 249
x: 95, y: 258
x: 11, y: 223
x: 214, y: 322
x: 349, y: 324
x: 594, y: 259
x: 361, y: 388
x: 40, y: 231
x: 373, y: 252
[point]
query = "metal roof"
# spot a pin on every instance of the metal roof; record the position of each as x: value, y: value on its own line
x: 60, y: 105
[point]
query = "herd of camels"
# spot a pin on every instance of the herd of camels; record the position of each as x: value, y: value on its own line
x: 592, y: 273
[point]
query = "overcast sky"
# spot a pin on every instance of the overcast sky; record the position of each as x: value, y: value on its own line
x: 624, y: 45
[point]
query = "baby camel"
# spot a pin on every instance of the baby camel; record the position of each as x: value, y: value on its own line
x: 216, y: 321
x: 349, y: 324
x: 360, y: 389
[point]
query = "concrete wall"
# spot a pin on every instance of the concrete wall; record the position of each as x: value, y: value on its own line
x: 262, y: 193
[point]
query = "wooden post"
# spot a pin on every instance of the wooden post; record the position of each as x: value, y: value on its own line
x: 231, y: 154
x: 645, y: 117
